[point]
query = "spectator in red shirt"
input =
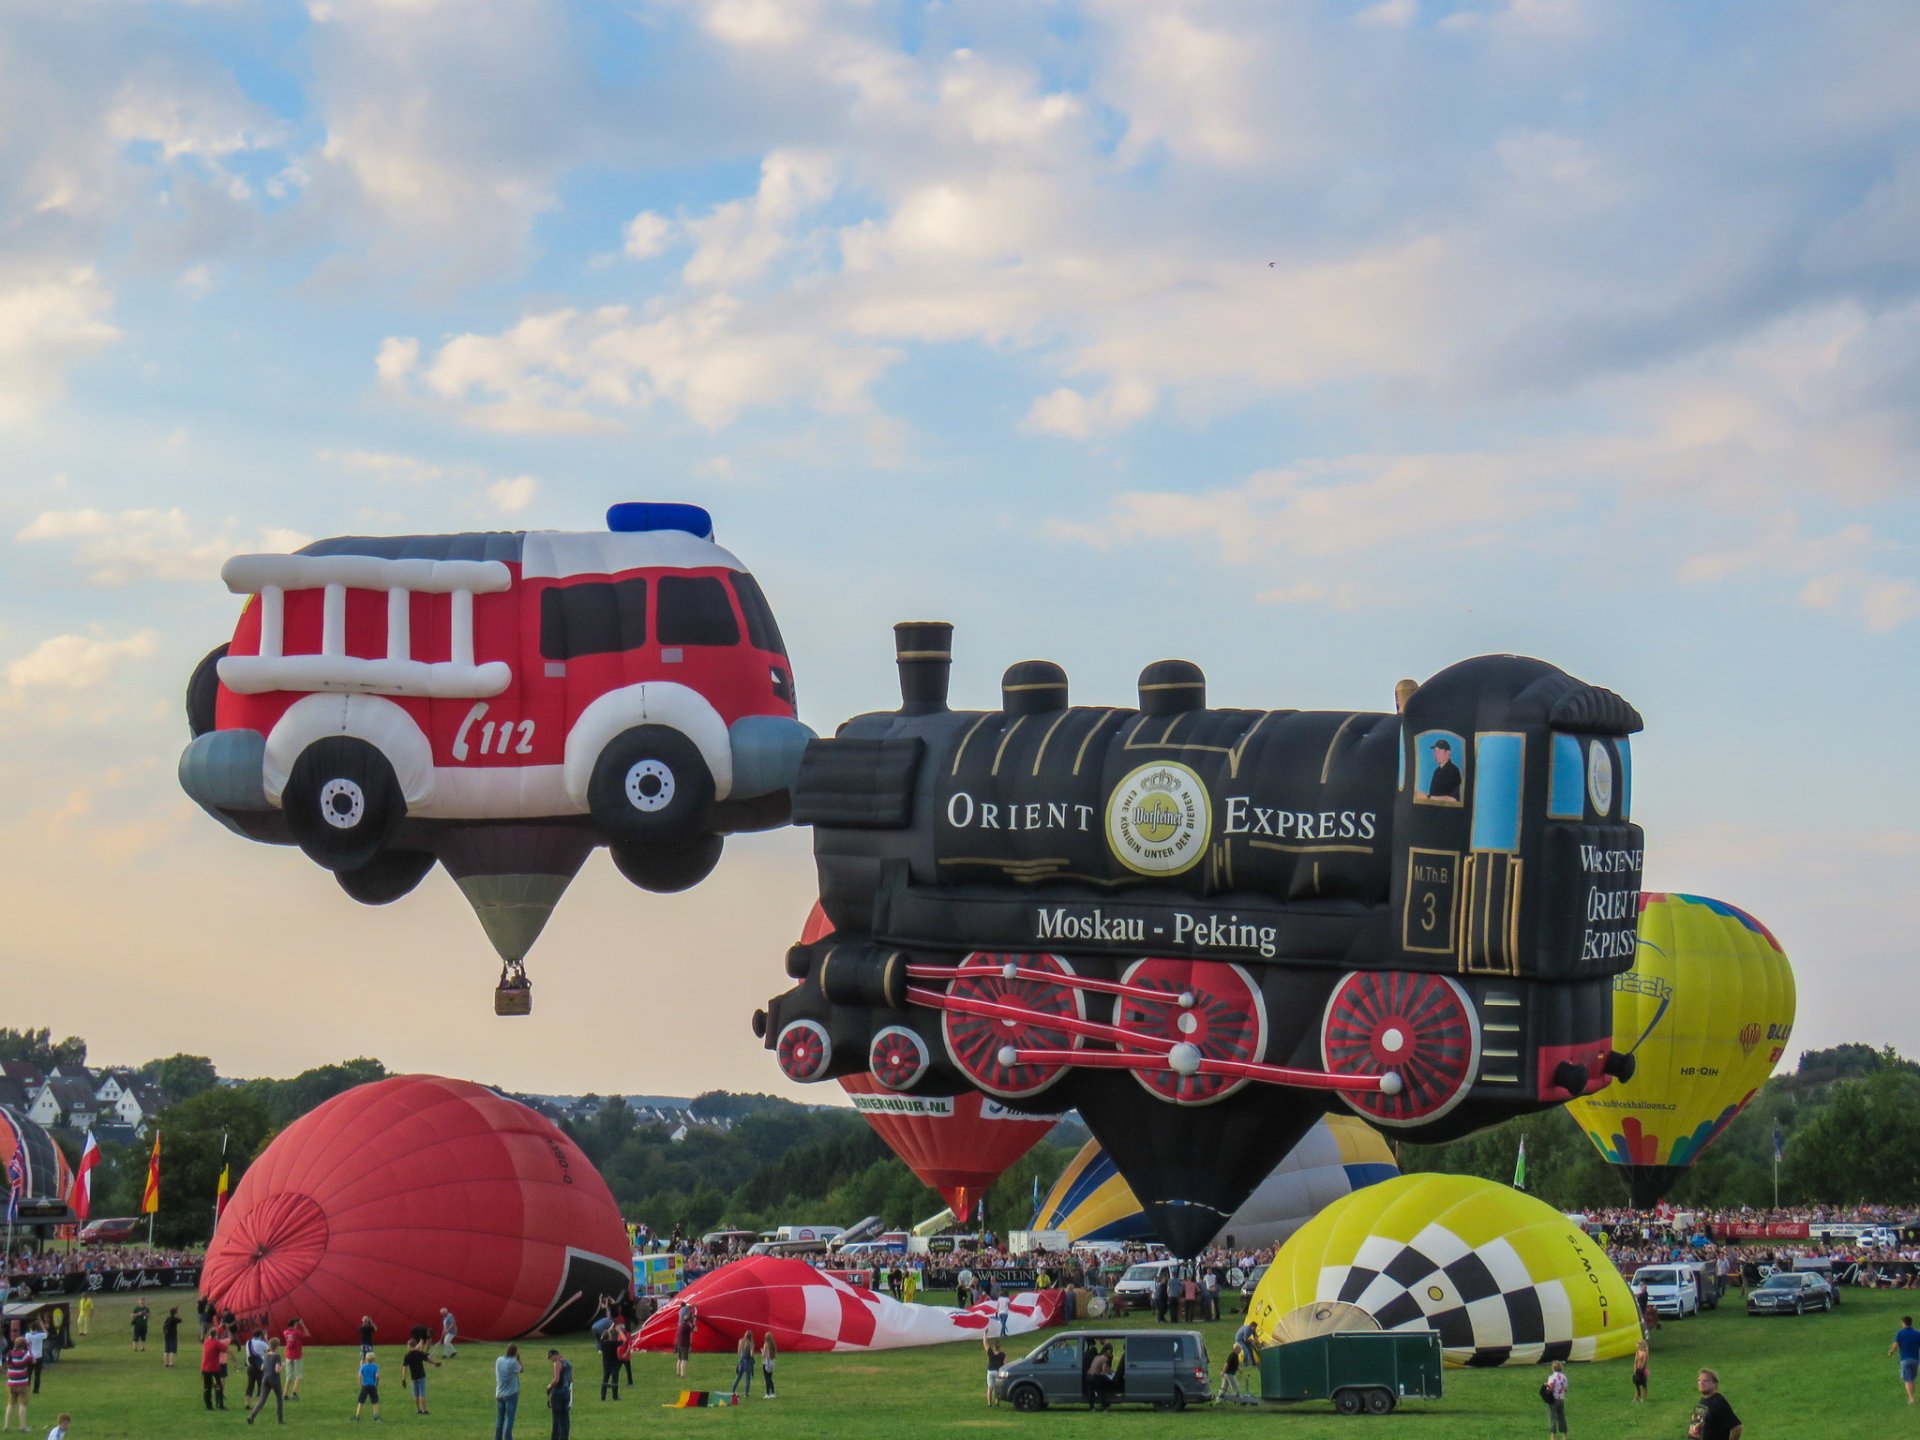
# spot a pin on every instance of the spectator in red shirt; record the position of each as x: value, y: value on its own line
x: 296, y: 1337
x: 213, y: 1369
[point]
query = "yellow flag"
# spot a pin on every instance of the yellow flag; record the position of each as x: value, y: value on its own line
x: 150, y: 1198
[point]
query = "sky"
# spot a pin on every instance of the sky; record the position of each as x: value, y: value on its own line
x: 1320, y: 343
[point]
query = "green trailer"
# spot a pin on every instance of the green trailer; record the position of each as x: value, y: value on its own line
x: 1359, y: 1370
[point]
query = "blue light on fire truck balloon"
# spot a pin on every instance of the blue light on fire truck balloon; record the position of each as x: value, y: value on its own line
x: 635, y: 517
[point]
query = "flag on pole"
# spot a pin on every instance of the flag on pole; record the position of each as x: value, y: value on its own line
x: 16, y: 1182
x: 83, y: 1177
x: 150, y: 1197
x: 1520, y: 1166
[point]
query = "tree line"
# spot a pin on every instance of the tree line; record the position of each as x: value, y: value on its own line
x: 1850, y: 1117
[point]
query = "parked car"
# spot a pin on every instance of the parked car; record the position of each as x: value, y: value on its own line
x: 1251, y: 1284
x: 109, y: 1232
x: 1789, y: 1292
x: 1675, y: 1290
x: 1166, y: 1369
x: 1136, y: 1286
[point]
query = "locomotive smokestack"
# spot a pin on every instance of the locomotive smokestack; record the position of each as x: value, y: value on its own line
x: 1032, y: 687
x: 1169, y: 686
x: 924, y: 651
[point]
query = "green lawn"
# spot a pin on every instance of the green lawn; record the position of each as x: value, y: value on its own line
x: 1820, y: 1376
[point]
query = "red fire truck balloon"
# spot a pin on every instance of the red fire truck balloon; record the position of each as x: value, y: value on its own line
x: 501, y: 703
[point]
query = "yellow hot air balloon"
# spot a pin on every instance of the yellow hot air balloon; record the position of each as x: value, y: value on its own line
x: 1705, y: 1012
x: 1505, y: 1278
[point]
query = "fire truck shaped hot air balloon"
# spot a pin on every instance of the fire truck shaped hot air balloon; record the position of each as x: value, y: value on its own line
x: 1202, y: 928
x: 500, y: 703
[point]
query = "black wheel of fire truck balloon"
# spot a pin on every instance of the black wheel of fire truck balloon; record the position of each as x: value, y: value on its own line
x: 650, y: 786
x: 1225, y: 1018
x: 666, y: 868
x: 386, y: 877
x: 978, y: 1040
x: 1421, y: 1029
x: 342, y: 802
x: 203, y: 691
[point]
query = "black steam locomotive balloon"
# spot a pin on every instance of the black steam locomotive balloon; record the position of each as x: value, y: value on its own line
x: 1204, y: 927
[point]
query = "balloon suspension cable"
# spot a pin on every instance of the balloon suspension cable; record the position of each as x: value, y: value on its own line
x: 1183, y: 998
x: 1181, y: 1056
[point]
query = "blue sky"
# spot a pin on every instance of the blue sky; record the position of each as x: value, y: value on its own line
x: 1321, y: 343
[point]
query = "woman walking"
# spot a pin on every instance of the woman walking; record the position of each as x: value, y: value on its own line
x: 769, y: 1352
x: 743, y: 1365
x: 1556, y: 1395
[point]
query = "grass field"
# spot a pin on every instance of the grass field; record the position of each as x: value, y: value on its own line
x: 1821, y: 1377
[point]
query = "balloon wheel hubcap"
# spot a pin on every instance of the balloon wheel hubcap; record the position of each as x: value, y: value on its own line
x: 1227, y: 1021
x: 975, y: 1041
x: 899, y: 1057
x: 1420, y: 1027
x: 804, y: 1051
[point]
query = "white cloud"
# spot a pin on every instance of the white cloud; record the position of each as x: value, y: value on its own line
x: 1079, y: 417
x: 737, y: 241
x: 397, y: 358
x: 77, y: 662
x: 127, y: 546
x: 387, y: 467
x: 648, y: 234
x: 48, y: 323
x: 511, y: 496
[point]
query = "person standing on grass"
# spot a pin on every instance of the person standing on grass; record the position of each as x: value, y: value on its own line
x: 560, y: 1395
x: 1556, y: 1388
x: 19, y: 1366
x: 1641, y: 1358
x: 1003, y: 1313
x: 256, y: 1361
x: 85, y: 1307
x: 683, y: 1339
x: 272, y: 1383
x: 623, y: 1342
x: 995, y: 1359
x: 1906, y: 1344
x: 416, y: 1361
x: 609, y: 1344
x: 367, y: 1329
x: 369, y: 1385
x: 506, y: 1392
x: 141, y: 1314
x: 295, y: 1336
x: 448, y: 1331
x: 1713, y: 1417
x: 769, y: 1352
x: 213, y: 1369
x: 36, y: 1338
x: 170, y: 1337
x: 743, y: 1364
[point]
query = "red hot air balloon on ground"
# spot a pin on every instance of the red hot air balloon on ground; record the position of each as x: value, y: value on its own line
x: 957, y: 1144
x: 413, y: 1193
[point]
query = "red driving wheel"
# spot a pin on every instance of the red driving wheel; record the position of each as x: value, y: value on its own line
x: 897, y: 1057
x: 1421, y: 1028
x: 804, y: 1050
x: 975, y: 1041
x: 1226, y: 1020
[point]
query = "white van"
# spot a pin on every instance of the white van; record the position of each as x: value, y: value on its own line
x: 822, y: 1233
x: 1677, y: 1290
x: 1137, y: 1284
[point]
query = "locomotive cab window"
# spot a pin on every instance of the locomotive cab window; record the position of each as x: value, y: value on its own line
x: 762, y: 632
x: 694, y: 610
x: 597, y: 618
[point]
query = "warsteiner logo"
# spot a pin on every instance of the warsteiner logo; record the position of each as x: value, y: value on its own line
x: 1159, y: 819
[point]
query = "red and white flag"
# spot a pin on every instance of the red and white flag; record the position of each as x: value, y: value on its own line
x: 83, y: 1177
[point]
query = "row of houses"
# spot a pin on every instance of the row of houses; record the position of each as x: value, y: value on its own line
x: 73, y: 1097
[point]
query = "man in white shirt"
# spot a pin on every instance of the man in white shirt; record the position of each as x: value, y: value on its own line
x: 36, y: 1338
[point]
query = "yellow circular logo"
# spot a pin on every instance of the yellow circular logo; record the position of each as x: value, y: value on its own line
x: 1159, y: 819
